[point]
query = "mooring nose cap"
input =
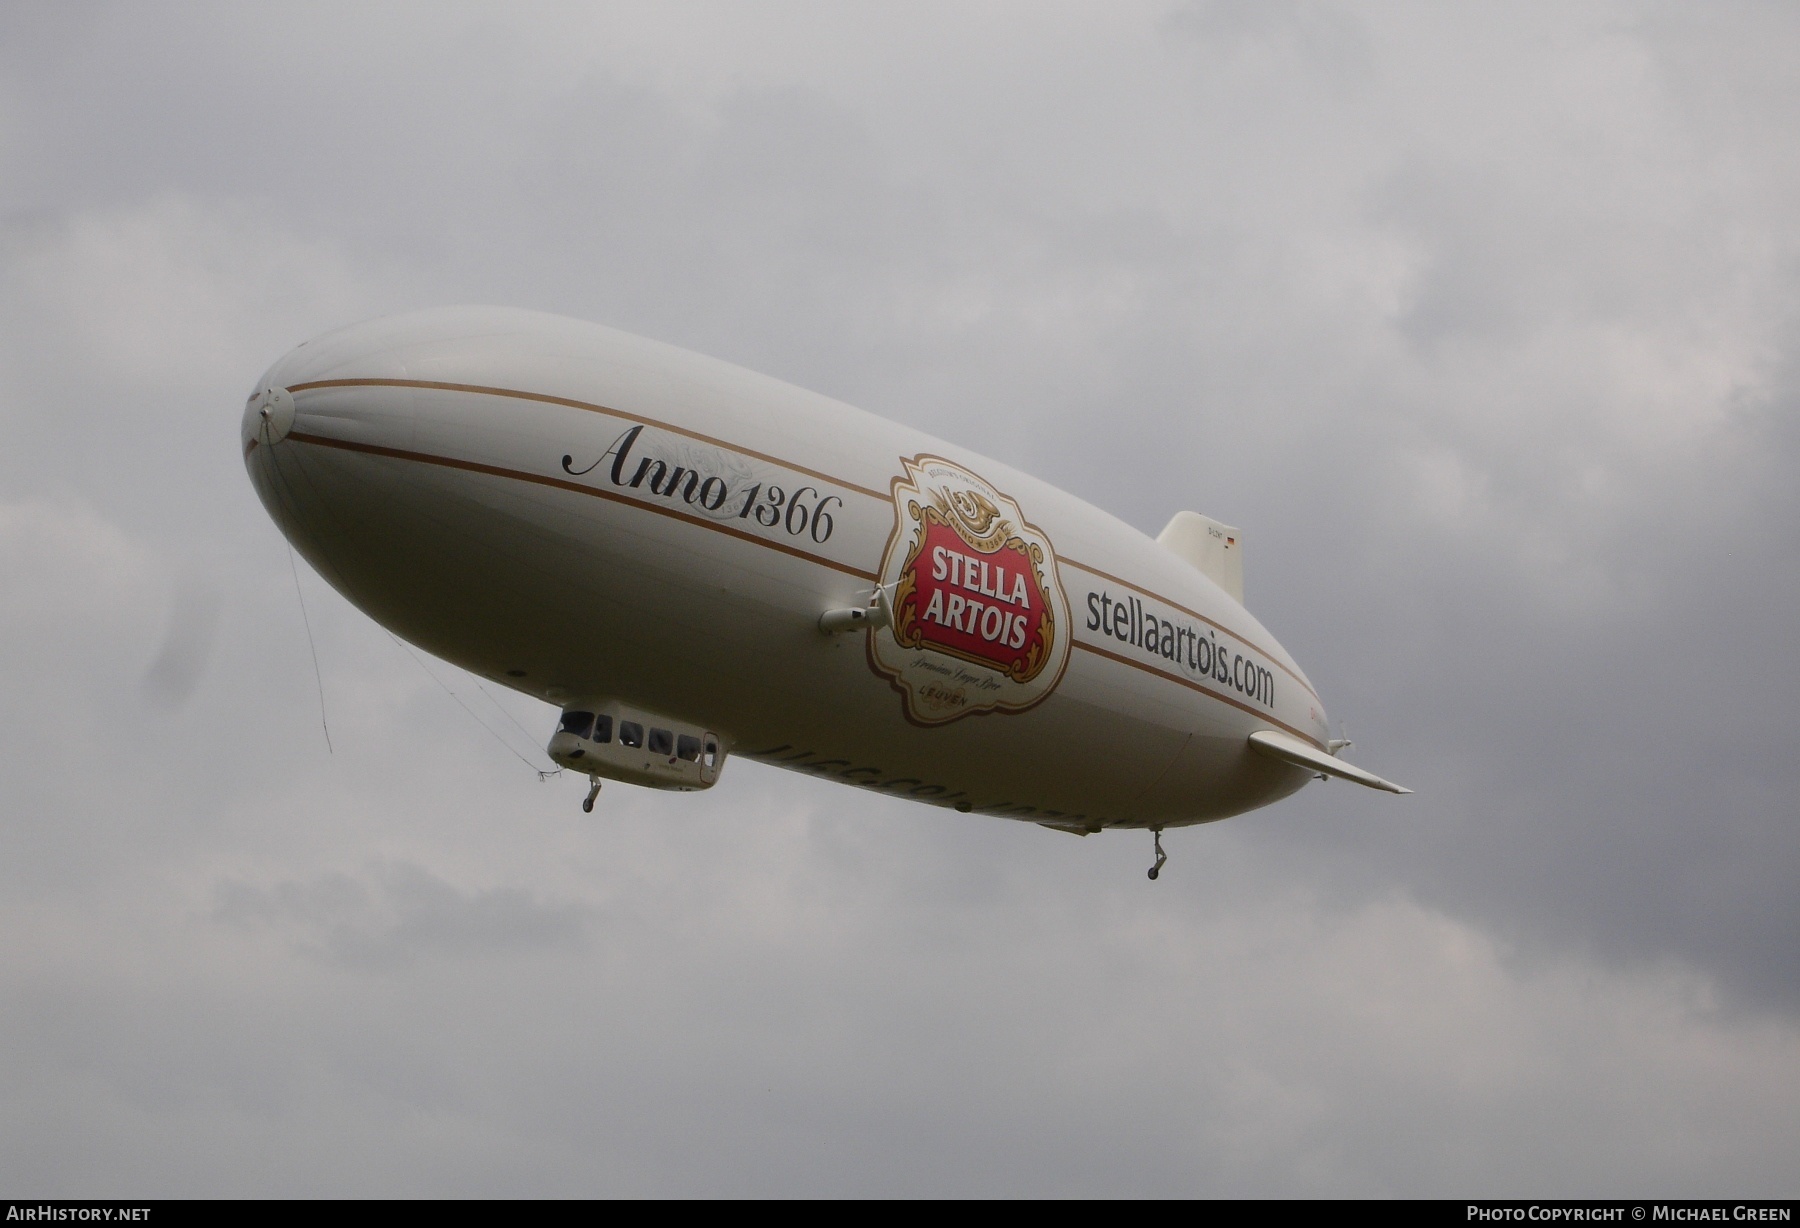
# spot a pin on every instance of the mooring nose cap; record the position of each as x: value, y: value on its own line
x: 269, y: 416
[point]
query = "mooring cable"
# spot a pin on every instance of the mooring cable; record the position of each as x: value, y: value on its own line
x: 318, y: 677
x: 494, y: 733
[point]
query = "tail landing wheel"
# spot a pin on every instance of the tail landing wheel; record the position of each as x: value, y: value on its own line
x: 1160, y: 855
x: 587, y: 805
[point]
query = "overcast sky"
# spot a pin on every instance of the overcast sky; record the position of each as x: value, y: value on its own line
x: 1483, y: 322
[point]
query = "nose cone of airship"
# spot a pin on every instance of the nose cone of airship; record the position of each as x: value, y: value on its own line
x: 348, y: 385
x: 309, y: 423
x: 268, y: 417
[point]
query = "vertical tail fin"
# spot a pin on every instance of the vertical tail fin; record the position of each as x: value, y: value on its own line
x: 1216, y: 549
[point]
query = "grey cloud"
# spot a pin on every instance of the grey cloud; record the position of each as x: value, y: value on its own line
x: 398, y: 913
x: 1327, y: 40
x: 188, y: 642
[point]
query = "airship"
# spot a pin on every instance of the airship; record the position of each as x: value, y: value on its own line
x: 695, y: 563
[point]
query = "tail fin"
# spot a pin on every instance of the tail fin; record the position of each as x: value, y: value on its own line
x: 1217, y: 550
x: 1293, y: 750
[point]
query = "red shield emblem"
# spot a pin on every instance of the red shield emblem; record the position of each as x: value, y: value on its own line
x: 979, y: 618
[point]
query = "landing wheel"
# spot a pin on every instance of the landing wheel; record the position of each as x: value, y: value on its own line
x: 1160, y: 856
x: 587, y: 803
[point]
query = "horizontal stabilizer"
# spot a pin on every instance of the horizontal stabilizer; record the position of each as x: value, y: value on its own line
x: 1292, y: 750
x: 1216, y: 549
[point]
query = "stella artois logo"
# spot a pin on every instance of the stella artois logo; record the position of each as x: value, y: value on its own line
x: 980, y: 622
